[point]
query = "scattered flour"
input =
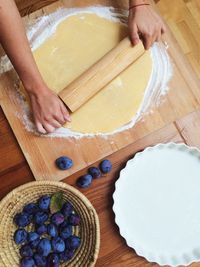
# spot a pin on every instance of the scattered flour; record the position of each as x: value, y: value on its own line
x: 41, y: 29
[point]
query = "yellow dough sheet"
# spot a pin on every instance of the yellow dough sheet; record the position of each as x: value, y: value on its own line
x: 78, y: 42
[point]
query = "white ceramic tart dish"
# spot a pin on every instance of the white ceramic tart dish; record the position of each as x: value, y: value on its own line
x: 157, y: 204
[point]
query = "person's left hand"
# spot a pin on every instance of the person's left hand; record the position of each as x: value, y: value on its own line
x: 144, y: 23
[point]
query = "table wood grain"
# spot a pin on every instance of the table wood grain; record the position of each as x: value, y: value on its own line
x: 15, y: 171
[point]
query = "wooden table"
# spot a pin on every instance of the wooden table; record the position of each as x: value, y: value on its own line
x: 14, y: 171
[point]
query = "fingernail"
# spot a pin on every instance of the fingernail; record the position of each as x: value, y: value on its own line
x: 42, y: 132
x: 135, y: 41
x: 67, y: 118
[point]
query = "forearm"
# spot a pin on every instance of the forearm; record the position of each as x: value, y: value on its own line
x: 138, y: 2
x: 14, y: 41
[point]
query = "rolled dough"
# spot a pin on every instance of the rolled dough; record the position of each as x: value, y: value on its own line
x: 78, y: 42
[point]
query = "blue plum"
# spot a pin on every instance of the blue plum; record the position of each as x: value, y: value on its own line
x: 53, y: 260
x: 26, y: 251
x: 72, y: 242
x: 44, y: 247
x: 32, y: 236
x: 105, y: 166
x: 40, y: 261
x: 41, y: 217
x: 31, y: 208
x: 58, y: 244
x: 44, y: 202
x: 67, y: 255
x: 84, y: 181
x: 41, y: 229
x: 52, y: 230
x: 95, y: 172
x: 20, y: 236
x: 64, y: 224
x: 74, y: 219
x: 22, y: 219
x: 64, y: 163
x: 57, y: 218
x: 34, y: 243
x: 67, y: 209
x: 27, y: 262
x: 66, y: 231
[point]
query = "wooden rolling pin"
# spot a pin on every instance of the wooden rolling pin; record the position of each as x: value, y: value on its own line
x: 100, y: 74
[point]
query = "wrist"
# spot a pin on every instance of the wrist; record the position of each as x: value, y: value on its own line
x: 138, y: 2
x: 134, y: 7
x: 35, y: 88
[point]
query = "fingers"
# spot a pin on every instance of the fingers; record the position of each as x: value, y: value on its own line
x: 49, y: 112
x: 147, y: 40
x: 63, y: 116
x: 40, y: 128
x: 134, y: 35
x: 65, y: 113
x: 59, y: 118
x: 45, y: 127
x: 158, y: 37
x: 154, y: 36
x: 50, y: 124
x: 48, y: 127
x: 55, y: 124
x: 163, y: 28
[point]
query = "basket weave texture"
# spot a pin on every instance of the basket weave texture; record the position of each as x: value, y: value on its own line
x: 88, y: 230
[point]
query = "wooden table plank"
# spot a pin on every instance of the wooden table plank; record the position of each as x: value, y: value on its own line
x: 8, y: 146
x: 184, y: 22
x: 189, y: 128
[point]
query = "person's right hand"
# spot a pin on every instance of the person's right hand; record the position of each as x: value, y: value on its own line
x: 49, y: 111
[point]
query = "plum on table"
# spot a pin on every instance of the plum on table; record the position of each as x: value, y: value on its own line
x: 94, y: 172
x: 84, y: 181
x: 105, y: 166
x: 64, y: 163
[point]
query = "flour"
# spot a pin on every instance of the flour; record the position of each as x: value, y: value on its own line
x: 41, y: 29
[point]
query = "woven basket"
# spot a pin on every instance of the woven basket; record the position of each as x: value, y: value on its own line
x: 13, y: 203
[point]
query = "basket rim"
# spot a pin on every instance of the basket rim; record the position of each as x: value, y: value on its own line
x: 73, y: 190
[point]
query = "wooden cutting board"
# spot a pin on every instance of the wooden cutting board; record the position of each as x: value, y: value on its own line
x: 41, y: 152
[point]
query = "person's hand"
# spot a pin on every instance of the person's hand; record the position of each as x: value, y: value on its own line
x: 49, y: 111
x: 144, y: 23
